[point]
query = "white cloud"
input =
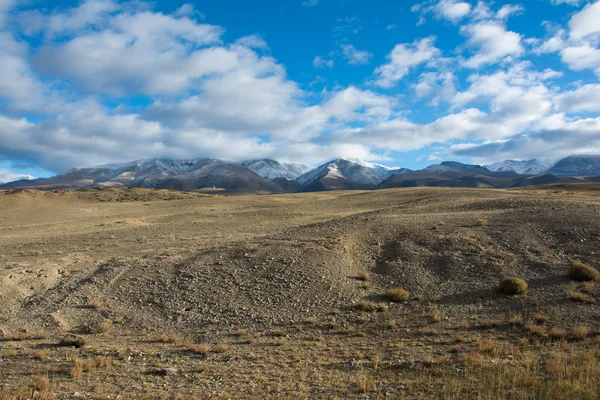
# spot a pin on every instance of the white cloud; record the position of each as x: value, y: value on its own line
x: 437, y: 86
x: 508, y: 10
x: 451, y: 10
x: 5, y: 7
x: 582, y: 99
x: 391, y: 26
x: 404, y: 57
x: 9, y: 176
x: 492, y: 43
x: 554, y: 137
x: 320, y: 62
x: 586, y: 22
x: 569, y: 2
x: 134, y: 52
x: 355, y: 56
x: 310, y: 3
x: 582, y: 57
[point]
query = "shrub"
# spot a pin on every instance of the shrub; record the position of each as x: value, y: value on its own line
x: 581, y: 297
x: 103, y: 326
x: 72, y: 341
x: 366, y: 305
x: 557, y: 333
x: 364, y: 276
x: 41, y: 354
x: 491, y: 323
x: 95, y: 304
x: 583, y: 272
x: 41, y: 383
x: 513, y: 286
x: 202, y: 349
x: 397, y: 294
x: 77, y: 369
x: 536, y: 330
x: 580, y: 333
x: 222, y: 348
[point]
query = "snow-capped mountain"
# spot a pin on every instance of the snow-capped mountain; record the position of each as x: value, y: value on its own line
x: 272, y: 169
x: 453, y: 167
x: 350, y: 169
x: 525, y: 167
x: 578, y: 165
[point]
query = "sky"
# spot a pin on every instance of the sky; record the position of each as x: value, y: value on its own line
x: 400, y: 83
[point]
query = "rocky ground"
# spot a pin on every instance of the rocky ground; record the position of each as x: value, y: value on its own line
x: 187, y: 295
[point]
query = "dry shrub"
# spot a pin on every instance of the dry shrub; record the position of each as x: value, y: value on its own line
x: 557, y: 333
x: 222, y: 348
x: 102, y: 362
x: 241, y: 332
x: 541, y: 318
x: 581, y: 297
x: 366, y: 305
x: 202, y: 349
x: 278, y: 342
x: 120, y: 319
x: 513, y: 286
x: 536, y: 330
x: 41, y: 354
x: 491, y: 323
x: 41, y: 383
x: 580, y: 333
x: 77, y: 369
x: 516, y: 320
x: 168, y: 339
x: 364, y: 276
x: 102, y: 327
x: 583, y: 272
x: 471, y: 357
x: 72, y: 341
x: 95, y: 304
x: 482, y: 222
x: 397, y: 295
x: 428, y: 330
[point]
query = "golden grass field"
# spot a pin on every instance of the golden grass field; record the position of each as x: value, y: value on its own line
x: 135, y: 293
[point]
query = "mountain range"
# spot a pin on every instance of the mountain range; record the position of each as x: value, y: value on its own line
x: 270, y: 176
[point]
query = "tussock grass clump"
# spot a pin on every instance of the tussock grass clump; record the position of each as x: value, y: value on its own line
x: 580, y: 333
x: 364, y: 276
x: 95, y: 304
x: 222, y: 348
x: 491, y: 323
x: 77, y: 369
x: 513, y: 286
x: 557, y: 333
x: 369, y: 306
x: 581, y: 297
x: 536, y: 330
x: 102, y: 327
x: 397, y: 295
x: 202, y: 349
x: 168, y: 339
x: 583, y: 272
x: 41, y: 354
x: 72, y: 341
x: 41, y: 383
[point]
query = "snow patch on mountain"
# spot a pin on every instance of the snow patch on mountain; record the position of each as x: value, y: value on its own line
x: 272, y: 169
x: 526, y: 167
x: 350, y: 169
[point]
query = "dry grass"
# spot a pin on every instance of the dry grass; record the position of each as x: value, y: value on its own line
x: 397, y: 295
x: 172, y: 338
x: 41, y: 354
x: 77, y: 369
x: 72, y: 341
x: 221, y: 348
x: 95, y: 304
x: 513, y: 286
x: 516, y: 320
x: 541, y: 318
x: 202, y: 349
x: 580, y: 333
x: 536, y: 330
x: 370, y: 306
x: 482, y: 222
x: 583, y: 272
x: 581, y: 297
x: 102, y: 362
x: 364, y: 276
x: 557, y: 333
x: 491, y: 323
x: 102, y: 327
x: 120, y: 319
x: 41, y: 383
x: 241, y: 332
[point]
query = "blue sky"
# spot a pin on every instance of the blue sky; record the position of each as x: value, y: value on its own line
x: 401, y: 83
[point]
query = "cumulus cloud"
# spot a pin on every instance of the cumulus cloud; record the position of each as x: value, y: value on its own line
x: 320, y: 62
x: 492, y: 43
x: 586, y: 22
x: 452, y: 10
x: 404, y: 57
x: 355, y: 56
x: 583, y: 99
x: 8, y: 176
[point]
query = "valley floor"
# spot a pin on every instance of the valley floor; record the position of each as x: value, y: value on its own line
x: 133, y: 293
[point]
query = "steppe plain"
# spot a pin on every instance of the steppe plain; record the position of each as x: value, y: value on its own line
x: 135, y: 293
